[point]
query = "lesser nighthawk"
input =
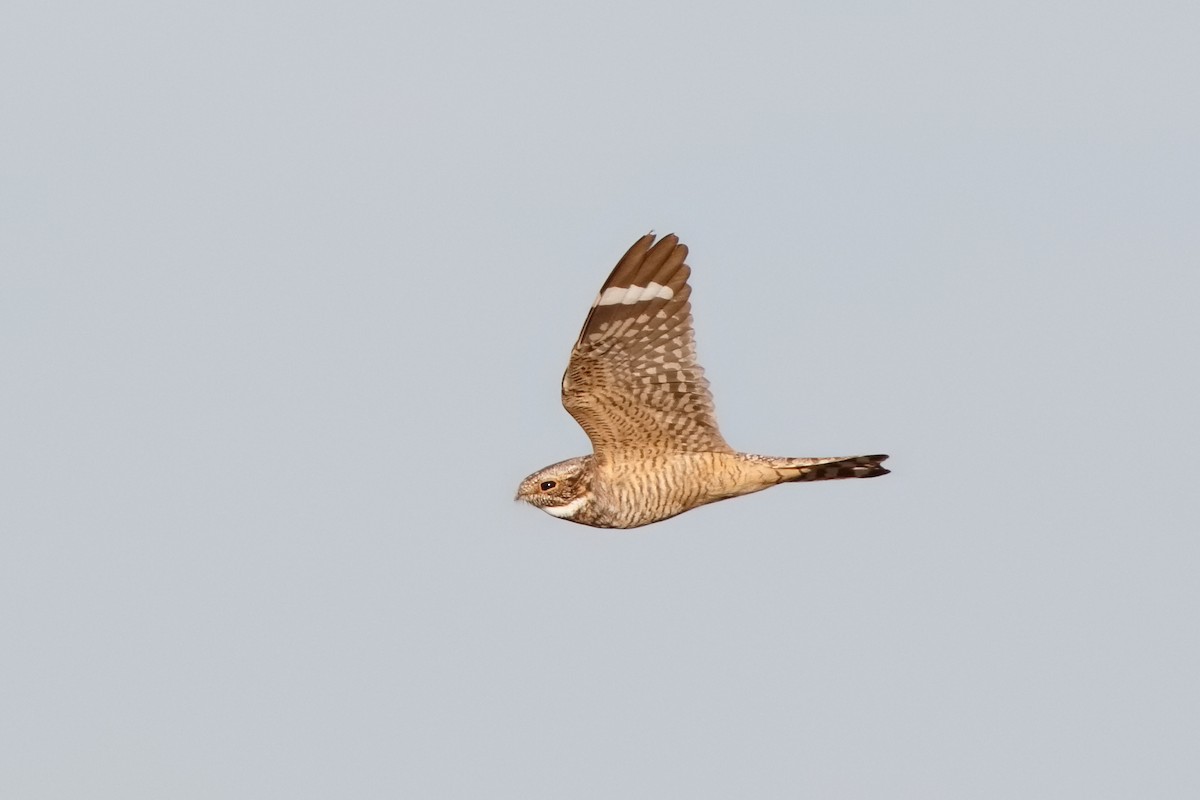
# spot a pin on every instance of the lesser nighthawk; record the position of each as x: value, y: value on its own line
x: 635, y: 388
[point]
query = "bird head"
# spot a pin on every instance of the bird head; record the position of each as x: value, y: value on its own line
x: 562, y: 490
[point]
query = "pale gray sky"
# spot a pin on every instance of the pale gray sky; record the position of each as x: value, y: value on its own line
x: 287, y: 290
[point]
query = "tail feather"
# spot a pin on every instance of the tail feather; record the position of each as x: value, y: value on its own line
x: 828, y: 469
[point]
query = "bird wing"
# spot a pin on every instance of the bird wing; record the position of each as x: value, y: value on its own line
x: 633, y: 383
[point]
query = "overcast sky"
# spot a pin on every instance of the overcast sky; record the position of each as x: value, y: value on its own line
x: 286, y: 291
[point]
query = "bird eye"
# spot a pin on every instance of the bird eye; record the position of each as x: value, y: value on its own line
x: 548, y: 485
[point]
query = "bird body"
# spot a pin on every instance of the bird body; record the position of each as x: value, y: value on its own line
x: 633, y: 384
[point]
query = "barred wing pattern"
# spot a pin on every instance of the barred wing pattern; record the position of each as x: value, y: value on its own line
x: 633, y: 383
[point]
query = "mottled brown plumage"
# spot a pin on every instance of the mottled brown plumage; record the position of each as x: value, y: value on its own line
x: 635, y: 388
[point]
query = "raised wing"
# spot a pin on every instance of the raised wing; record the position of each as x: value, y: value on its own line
x: 633, y: 383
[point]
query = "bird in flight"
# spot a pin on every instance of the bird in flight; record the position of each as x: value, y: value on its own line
x: 635, y: 388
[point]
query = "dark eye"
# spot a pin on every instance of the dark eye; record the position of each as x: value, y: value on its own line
x: 548, y: 485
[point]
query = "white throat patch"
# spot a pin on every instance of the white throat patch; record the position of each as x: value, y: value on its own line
x: 564, y: 512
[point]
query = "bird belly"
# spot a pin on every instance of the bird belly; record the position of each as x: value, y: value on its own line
x: 640, y: 491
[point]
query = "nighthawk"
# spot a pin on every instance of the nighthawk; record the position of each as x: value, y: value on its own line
x: 635, y: 388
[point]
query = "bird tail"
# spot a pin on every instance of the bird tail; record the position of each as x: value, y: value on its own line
x: 828, y: 469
